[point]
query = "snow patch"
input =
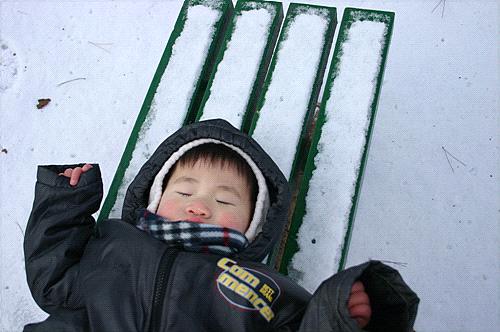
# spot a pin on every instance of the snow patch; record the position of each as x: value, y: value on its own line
x: 288, y: 94
x: 340, y: 149
x: 9, y: 66
x: 236, y: 73
x: 173, y: 95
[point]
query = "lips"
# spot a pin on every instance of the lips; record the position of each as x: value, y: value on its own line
x: 194, y: 219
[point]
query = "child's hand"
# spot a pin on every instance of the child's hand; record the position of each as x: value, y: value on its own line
x: 359, y: 305
x: 74, y: 173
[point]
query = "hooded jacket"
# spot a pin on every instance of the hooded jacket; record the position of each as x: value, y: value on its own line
x: 114, y: 277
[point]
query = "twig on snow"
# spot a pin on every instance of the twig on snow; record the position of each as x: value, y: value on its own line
x: 442, y: 11
x: 75, y: 79
x: 446, y: 153
x: 99, y: 45
x: 396, y: 263
x: 20, y: 228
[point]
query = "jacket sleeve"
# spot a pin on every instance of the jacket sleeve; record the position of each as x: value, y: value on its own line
x: 59, y: 227
x: 394, y: 305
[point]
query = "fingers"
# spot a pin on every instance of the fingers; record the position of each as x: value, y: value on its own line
x: 357, y: 287
x: 67, y: 172
x: 75, y: 173
x: 357, y: 299
x: 361, y: 310
x: 362, y: 322
x: 361, y: 313
x: 75, y: 176
x: 359, y: 305
x: 86, y: 167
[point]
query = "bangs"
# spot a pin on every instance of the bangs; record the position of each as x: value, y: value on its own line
x: 218, y: 155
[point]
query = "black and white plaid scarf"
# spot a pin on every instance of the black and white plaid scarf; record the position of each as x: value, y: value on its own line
x: 192, y: 236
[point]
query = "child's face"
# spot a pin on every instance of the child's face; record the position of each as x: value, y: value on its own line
x: 209, y: 194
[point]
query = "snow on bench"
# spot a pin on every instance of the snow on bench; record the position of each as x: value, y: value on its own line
x: 282, y: 117
x: 293, y: 82
x: 175, y: 91
x: 327, y: 200
x: 242, y: 62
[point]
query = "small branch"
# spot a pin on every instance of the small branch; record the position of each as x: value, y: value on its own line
x: 396, y: 263
x: 442, y: 11
x: 20, y: 228
x: 461, y: 162
x: 446, y: 153
x: 99, y: 45
x: 75, y: 79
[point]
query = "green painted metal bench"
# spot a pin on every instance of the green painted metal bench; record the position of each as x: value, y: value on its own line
x: 242, y: 64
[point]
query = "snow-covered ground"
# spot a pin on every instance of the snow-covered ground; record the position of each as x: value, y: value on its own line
x: 429, y: 202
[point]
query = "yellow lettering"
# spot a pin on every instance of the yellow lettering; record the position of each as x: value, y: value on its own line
x: 244, y: 275
x: 236, y: 270
x: 222, y: 263
x: 259, y: 304
x: 228, y: 281
x: 242, y: 290
x: 264, y: 309
x: 252, y: 297
x: 250, y: 279
x: 267, y: 313
x: 267, y: 292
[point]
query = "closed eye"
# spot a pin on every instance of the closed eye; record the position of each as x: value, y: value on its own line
x: 223, y: 202
x: 183, y: 194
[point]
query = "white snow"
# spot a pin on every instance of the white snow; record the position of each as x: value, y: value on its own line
x: 340, y: 148
x: 429, y: 201
x: 9, y: 67
x: 282, y: 115
x: 171, y: 101
x: 237, y: 71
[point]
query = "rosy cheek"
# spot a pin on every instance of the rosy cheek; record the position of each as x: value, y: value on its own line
x: 168, y: 209
x: 233, y: 221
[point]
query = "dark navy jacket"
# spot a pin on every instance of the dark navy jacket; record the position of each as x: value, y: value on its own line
x: 114, y: 277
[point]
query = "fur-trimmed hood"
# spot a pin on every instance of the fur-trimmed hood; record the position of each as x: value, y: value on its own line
x: 273, y: 199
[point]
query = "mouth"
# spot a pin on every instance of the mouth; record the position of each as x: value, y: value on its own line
x: 194, y: 220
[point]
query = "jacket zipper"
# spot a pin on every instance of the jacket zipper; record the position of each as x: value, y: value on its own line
x: 161, y: 283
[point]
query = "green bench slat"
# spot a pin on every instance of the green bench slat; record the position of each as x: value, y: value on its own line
x: 326, y: 205
x: 235, y: 84
x: 293, y: 83
x: 175, y: 92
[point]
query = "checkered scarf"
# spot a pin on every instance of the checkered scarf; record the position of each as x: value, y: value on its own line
x: 192, y: 236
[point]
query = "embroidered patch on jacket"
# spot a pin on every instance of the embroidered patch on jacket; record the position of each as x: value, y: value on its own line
x: 247, y: 288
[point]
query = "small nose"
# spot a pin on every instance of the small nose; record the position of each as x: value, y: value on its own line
x: 198, y: 208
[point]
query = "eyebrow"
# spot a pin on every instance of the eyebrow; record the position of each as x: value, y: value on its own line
x: 186, y: 179
x: 230, y: 189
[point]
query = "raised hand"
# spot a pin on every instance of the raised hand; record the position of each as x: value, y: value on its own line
x: 359, y: 305
x: 74, y: 173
